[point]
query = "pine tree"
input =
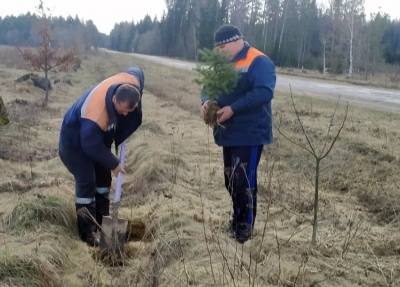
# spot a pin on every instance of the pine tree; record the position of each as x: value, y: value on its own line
x: 218, y: 77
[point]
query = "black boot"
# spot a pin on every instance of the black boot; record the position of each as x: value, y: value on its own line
x: 243, y: 232
x: 90, y: 239
x: 86, y: 226
x: 102, y: 207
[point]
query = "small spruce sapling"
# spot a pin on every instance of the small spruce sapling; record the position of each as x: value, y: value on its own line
x: 218, y: 77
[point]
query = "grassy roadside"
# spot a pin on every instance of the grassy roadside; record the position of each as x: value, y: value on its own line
x: 174, y: 187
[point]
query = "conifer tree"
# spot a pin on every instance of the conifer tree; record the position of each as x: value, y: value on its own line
x: 218, y: 77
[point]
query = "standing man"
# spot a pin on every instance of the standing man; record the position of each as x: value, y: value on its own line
x: 245, y: 125
x: 108, y: 112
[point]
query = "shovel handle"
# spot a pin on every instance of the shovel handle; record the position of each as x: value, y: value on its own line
x: 119, y: 177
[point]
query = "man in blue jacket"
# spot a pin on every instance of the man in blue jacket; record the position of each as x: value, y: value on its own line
x: 108, y: 112
x: 245, y: 125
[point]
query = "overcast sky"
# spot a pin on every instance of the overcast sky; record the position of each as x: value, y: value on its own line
x: 106, y: 13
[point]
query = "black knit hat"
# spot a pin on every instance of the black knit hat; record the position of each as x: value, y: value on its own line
x: 227, y: 34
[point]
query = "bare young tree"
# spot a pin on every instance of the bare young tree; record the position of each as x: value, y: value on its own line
x: 319, y: 156
x: 45, y: 57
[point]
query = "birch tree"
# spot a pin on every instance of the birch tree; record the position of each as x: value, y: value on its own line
x: 351, y: 10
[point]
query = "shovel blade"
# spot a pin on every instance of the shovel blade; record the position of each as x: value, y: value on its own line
x: 113, y: 236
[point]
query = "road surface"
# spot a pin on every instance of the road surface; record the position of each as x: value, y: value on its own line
x: 377, y: 98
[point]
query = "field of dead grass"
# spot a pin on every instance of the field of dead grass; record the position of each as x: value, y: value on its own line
x: 175, y: 197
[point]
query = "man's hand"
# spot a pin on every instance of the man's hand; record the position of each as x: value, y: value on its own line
x: 117, y: 170
x: 204, y: 108
x: 224, y: 114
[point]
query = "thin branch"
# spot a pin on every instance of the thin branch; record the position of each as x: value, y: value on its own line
x: 180, y: 248
x: 290, y: 140
x: 231, y: 273
x: 205, y: 237
x: 338, y: 133
x: 329, y: 127
x: 301, y: 124
x: 279, y: 255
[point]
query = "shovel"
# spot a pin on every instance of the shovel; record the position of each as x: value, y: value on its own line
x: 113, y: 228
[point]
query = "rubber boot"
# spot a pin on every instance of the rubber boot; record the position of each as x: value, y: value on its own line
x: 243, y: 232
x: 86, y: 226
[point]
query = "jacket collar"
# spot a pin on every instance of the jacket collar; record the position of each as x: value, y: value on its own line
x: 242, y: 54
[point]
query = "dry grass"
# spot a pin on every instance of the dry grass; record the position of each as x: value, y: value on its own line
x: 40, y: 262
x: 30, y: 271
x: 174, y: 193
x: 10, y: 58
x: 30, y: 214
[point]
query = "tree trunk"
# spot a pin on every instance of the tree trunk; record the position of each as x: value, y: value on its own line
x: 351, y: 47
x: 283, y: 26
x: 265, y: 28
x: 305, y: 45
x: 366, y: 64
x: 195, y: 27
x: 3, y: 113
x: 316, y: 199
x: 300, y: 52
x: 46, y: 99
x: 324, y: 56
x: 46, y: 70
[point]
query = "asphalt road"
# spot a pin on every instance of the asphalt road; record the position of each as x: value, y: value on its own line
x: 376, y: 98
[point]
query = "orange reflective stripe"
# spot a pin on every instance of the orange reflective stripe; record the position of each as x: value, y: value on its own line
x: 94, y: 107
x: 251, y: 55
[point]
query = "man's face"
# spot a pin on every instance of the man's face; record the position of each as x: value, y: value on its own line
x: 123, y: 108
x: 230, y: 49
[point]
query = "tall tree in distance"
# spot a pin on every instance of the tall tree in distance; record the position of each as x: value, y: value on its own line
x: 374, y: 46
x: 210, y: 20
x: 239, y: 13
x: 45, y: 57
x: 352, y: 10
x: 326, y: 31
